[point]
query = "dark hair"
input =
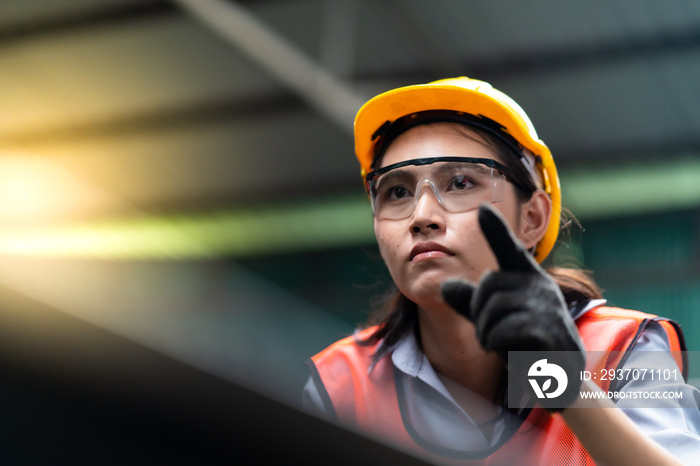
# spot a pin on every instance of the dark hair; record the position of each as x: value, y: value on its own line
x: 398, y: 315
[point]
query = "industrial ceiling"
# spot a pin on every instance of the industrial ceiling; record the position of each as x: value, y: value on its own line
x: 138, y: 113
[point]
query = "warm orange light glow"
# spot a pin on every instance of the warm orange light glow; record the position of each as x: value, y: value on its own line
x: 37, y: 189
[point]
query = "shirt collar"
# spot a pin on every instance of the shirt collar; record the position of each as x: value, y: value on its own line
x: 407, y: 355
x: 580, y: 309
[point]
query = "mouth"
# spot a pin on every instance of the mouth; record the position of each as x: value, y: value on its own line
x: 428, y: 250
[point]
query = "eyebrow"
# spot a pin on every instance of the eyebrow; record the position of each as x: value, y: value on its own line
x: 447, y: 166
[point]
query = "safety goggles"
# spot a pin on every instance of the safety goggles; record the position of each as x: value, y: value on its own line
x: 460, y: 184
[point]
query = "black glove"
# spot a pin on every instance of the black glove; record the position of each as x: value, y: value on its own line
x: 519, y: 307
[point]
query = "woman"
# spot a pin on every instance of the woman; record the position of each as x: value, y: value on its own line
x: 466, y: 203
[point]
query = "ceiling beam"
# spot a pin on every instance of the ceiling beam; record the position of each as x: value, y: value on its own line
x: 97, y: 15
x: 159, y: 120
x: 290, y: 66
x: 549, y: 60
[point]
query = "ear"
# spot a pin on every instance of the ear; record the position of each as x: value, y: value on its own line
x: 534, y: 218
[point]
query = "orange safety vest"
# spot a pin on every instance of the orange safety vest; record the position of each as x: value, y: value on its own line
x: 369, y: 401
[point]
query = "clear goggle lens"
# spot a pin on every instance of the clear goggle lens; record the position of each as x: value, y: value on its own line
x: 459, y: 184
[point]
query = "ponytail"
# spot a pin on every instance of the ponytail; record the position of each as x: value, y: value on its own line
x: 576, y: 285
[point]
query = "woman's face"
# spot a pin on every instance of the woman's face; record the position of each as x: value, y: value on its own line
x: 452, y: 244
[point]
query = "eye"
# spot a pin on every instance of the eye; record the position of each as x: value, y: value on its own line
x: 460, y: 183
x: 396, y: 193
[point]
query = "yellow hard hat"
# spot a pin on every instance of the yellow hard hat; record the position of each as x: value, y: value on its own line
x: 469, y: 96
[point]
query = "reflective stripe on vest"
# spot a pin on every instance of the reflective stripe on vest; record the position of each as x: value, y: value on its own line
x: 368, y: 400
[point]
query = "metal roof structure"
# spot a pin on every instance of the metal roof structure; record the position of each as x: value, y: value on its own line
x: 146, y: 110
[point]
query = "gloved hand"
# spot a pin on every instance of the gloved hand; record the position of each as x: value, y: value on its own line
x: 519, y: 307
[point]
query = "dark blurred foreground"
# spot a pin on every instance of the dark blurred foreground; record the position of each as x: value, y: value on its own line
x: 71, y: 393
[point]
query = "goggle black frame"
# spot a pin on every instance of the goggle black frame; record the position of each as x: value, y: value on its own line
x: 502, y: 169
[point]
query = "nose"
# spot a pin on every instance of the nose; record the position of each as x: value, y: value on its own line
x: 428, y: 214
